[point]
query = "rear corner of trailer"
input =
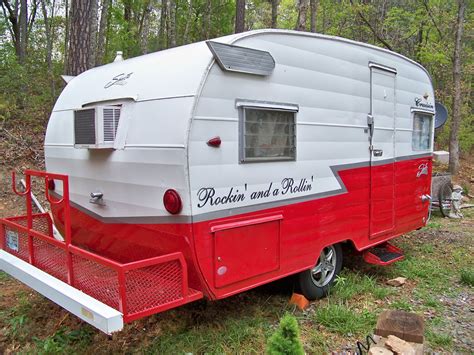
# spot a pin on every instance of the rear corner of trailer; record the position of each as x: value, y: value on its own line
x: 116, y: 172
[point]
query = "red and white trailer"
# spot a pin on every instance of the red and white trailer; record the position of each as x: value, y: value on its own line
x: 212, y: 168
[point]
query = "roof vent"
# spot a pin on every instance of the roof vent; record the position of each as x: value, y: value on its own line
x: 119, y: 57
x: 242, y: 59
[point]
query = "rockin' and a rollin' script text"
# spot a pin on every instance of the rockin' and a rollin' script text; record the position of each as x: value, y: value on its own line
x: 207, y: 196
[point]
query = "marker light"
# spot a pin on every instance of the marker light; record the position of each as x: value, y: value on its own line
x: 172, y: 201
x: 214, y: 142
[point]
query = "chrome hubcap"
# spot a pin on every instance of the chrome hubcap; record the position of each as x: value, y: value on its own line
x: 325, y: 267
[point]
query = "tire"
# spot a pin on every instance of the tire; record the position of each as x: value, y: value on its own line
x: 312, y: 283
x: 444, y: 198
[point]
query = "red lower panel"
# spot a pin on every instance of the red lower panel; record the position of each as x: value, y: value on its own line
x: 261, y: 252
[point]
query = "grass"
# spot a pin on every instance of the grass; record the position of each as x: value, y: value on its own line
x: 229, y: 336
x: 341, y: 319
x: 4, y: 276
x: 64, y: 341
x: 350, y: 284
x: 467, y: 277
x: 438, y: 265
x: 444, y: 341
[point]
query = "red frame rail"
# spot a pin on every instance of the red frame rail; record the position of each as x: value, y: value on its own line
x: 136, y: 289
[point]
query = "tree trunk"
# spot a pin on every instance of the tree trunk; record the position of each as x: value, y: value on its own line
x: 104, y: 20
x: 163, y: 20
x: 239, y: 16
x: 302, y: 12
x: 80, y: 37
x: 47, y: 32
x: 188, y: 22
x: 67, y: 27
x: 314, y: 10
x: 275, y: 4
x: 93, y: 23
x: 11, y: 13
x: 457, y: 100
x: 207, y: 20
x: 172, y: 23
x: 144, y: 30
x: 23, y: 30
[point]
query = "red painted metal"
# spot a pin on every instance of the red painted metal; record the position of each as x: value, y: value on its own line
x: 137, y: 289
x: 295, y: 233
x: 374, y: 259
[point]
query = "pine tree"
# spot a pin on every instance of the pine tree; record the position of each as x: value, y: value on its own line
x: 286, y: 339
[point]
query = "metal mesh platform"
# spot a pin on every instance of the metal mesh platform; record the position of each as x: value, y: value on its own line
x: 136, y: 289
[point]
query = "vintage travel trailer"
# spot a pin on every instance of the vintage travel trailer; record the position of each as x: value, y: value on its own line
x: 212, y: 168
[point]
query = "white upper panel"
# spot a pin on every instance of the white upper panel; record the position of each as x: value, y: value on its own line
x: 171, y: 73
x: 328, y: 78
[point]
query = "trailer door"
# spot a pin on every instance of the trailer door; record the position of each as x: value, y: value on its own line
x: 382, y: 146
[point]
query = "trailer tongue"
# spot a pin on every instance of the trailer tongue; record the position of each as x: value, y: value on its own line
x: 99, y: 290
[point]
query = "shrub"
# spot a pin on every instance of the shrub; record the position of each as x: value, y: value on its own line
x: 286, y: 339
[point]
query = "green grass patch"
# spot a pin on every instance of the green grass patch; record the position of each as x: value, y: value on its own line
x: 427, y: 248
x: 434, y: 224
x: 350, y: 284
x: 402, y: 304
x: 430, y: 271
x: 4, y: 276
x: 467, y: 277
x: 343, y: 320
x: 315, y: 342
x: 224, y: 336
x: 439, y: 340
x: 64, y: 341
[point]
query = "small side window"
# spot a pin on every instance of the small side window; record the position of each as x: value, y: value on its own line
x: 267, y: 135
x: 422, y: 126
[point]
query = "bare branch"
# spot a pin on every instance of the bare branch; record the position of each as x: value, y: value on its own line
x: 8, y: 16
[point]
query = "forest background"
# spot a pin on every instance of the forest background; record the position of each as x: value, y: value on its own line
x: 42, y: 39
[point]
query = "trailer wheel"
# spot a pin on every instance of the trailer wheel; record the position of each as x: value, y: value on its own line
x: 315, y: 283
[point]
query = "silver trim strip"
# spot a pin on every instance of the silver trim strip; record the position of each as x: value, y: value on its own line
x: 223, y: 119
x: 382, y: 67
x: 306, y: 123
x: 266, y: 105
x: 422, y: 110
x: 173, y: 146
x: 143, y: 100
x: 58, y: 145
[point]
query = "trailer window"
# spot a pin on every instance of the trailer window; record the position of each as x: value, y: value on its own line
x: 421, y: 139
x: 267, y: 135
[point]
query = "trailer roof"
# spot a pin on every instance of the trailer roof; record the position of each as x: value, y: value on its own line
x: 144, y: 78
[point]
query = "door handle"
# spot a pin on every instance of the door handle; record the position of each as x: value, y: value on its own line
x: 378, y: 152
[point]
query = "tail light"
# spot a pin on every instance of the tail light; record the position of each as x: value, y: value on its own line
x: 172, y: 201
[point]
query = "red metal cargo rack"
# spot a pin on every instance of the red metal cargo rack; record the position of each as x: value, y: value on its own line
x: 136, y: 289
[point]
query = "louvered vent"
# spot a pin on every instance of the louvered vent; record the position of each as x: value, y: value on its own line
x: 84, y: 126
x: 242, y: 59
x: 96, y: 128
x: 111, y: 121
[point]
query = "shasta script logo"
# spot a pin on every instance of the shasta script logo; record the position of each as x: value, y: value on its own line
x: 118, y: 80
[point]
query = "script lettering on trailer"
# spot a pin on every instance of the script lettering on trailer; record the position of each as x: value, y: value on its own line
x: 207, y: 196
x: 419, y: 103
